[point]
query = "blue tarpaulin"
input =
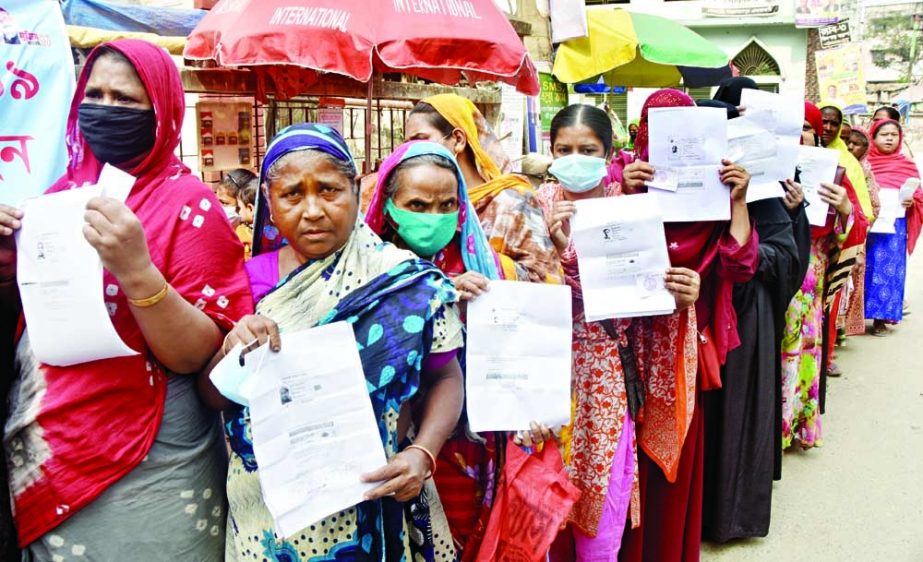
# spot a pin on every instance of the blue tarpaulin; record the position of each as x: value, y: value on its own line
x: 175, y: 22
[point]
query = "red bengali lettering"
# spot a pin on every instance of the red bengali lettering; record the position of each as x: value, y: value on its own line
x: 9, y: 153
x: 25, y: 86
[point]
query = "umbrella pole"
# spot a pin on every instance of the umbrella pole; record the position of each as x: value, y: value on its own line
x: 367, y: 164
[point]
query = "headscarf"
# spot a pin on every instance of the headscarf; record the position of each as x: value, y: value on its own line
x: 730, y: 89
x: 492, y: 162
x: 853, y: 168
x: 294, y: 138
x: 813, y: 116
x: 476, y: 253
x: 891, y: 171
x: 868, y: 139
x: 91, y: 438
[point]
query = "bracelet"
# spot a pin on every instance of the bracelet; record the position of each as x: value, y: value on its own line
x: 432, y: 459
x: 153, y: 299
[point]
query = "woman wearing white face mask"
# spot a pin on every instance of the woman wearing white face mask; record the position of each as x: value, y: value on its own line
x: 603, y: 458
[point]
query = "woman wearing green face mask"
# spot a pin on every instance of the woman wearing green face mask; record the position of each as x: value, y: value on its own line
x: 421, y: 203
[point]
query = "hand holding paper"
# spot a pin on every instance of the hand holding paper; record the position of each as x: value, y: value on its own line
x: 817, y: 165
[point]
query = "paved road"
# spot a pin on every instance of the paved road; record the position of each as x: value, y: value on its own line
x: 860, y: 497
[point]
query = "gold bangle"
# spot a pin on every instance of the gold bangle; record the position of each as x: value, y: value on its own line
x: 432, y: 459
x: 153, y: 299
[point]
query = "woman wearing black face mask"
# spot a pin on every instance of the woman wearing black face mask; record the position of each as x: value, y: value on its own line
x: 108, y: 447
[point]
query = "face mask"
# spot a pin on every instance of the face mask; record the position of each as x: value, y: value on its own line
x: 578, y: 173
x: 117, y: 134
x: 231, y: 212
x: 424, y: 233
x: 633, y: 136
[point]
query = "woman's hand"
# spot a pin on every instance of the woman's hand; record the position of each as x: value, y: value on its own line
x: 10, y: 222
x: 118, y: 237
x: 252, y: 328
x: 635, y: 177
x: 534, y: 436
x: 683, y: 284
x: 471, y: 284
x: 794, y: 195
x: 560, y: 223
x: 403, y: 477
x: 835, y: 196
x: 908, y: 203
x: 737, y: 178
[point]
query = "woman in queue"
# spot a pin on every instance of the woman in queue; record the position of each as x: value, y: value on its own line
x: 743, y: 417
x: 600, y: 441
x: 505, y: 203
x: 853, y: 318
x: 886, y: 269
x: 421, y: 203
x: 671, y: 436
x: 99, y: 450
x: 334, y: 268
x: 803, y: 345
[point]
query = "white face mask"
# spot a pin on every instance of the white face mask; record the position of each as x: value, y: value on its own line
x: 579, y: 173
x: 230, y: 212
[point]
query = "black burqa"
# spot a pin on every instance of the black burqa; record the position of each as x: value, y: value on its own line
x: 743, y: 420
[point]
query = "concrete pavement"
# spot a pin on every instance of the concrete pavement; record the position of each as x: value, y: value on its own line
x: 860, y: 496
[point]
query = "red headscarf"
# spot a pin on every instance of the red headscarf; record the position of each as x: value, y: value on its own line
x: 98, y: 420
x: 813, y: 116
x: 891, y: 171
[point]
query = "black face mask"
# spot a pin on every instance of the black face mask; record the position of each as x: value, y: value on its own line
x: 633, y: 135
x: 117, y: 134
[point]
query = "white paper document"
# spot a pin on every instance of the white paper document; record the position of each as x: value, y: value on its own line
x: 891, y: 210
x: 60, y: 277
x: 756, y: 149
x: 622, y: 257
x: 314, y: 430
x: 686, y: 148
x: 909, y: 188
x: 782, y: 115
x: 518, y: 356
x: 816, y: 165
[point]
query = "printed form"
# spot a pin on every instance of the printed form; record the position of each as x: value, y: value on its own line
x: 686, y: 148
x: 518, y: 356
x: 622, y: 257
x: 60, y: 276
x: 314, y: 430
x: 816, y: 165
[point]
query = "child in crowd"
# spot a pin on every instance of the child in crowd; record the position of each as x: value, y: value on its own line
x: 237, y: 193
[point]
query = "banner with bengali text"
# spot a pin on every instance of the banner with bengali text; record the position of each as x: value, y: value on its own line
x: 36, y: 87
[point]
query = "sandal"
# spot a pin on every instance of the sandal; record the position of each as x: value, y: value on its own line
x: 834, y: 370
x: 879, y: 329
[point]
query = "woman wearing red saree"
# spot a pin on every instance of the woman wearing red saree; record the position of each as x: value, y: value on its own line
x: 671, y: 435
x: 117, y: 458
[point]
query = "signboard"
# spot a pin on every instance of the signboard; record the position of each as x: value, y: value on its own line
x: 330, y: 113
x: 36, y: 87
x: 512, y: 124
x: 225, y: 134
x: 834, y: 35
x: 840, y: 77
x: 738, y: 8
x: 816, y: 13
x: 553, y: 98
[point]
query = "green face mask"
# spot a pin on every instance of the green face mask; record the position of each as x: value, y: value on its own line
x: 424, y: 233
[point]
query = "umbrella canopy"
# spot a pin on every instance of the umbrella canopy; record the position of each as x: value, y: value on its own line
x: 640, y: 50
x: 438, y: 41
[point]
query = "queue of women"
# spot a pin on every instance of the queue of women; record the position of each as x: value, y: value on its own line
x: 678, y: 421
